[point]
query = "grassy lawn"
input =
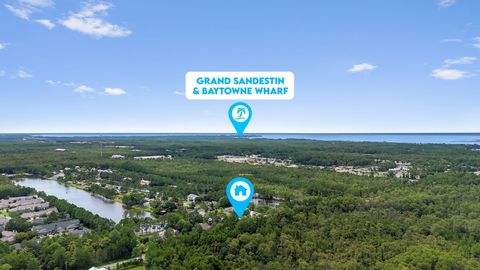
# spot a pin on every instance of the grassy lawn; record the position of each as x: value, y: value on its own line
x: 70, y: 183
x: 118, y: 198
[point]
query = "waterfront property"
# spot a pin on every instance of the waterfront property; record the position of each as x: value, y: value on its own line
x: 18, y: 201
x: 67, y: 226
x: 34, y: 215
x: 23, y: 204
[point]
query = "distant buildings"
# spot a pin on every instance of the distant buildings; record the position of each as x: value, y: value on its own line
x: 257, y: 160
x: 165, y: 233
x: 151, y: 228
x: 144, y: 182
x: 205, y: 226
x: 402, y: 169
x: 253, y: 213
x: 192, y: 197
x: 267, y: 202
x: 97, y: 268
x: 152, y: 157
x: 202, y: 212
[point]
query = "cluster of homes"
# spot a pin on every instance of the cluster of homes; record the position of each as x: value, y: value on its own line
x: 79, y: 169
x: 117, y: 156
x: 35, y: 210
x: 160, y: 228
x: 23, y: 204
x: 257, y: 160
x: 202, y: 208
x: 153, y: 157
x: 72, y: 226
x: 256, y: 201
x: 401, y: 170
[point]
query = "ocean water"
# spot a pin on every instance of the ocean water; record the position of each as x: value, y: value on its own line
x: 421, y: 138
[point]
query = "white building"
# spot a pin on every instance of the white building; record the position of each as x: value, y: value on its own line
x: 192, y: 197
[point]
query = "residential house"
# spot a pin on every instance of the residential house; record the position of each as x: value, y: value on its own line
x: 205, y: 226
x: 33, y: 215
x: 57, y: 227
x: 144, y: 182
x: 8, y: 236
x: 192, y: 197
x: 3, y: 222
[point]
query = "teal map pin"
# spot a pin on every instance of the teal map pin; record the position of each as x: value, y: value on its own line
x: 240, y: 114
x: 240, y: 193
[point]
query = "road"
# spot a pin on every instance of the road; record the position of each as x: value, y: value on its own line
x: 114, y: 265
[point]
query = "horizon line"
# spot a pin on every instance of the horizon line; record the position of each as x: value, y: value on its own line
x: 246, y: 134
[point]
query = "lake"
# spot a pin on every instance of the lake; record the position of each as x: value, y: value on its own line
x: 78, y: 197
x: 420, y: 138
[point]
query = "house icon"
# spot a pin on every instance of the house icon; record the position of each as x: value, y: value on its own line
x: 240, y: 190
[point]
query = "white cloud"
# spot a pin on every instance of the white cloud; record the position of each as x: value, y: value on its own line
x: 21, y: 12
x: 2, y: 73
x: 69, y: 84
x: 3, y: 46
x: 38, y: 3
x: 362, y: 67
x: 24, y: 75
x: 450, y: 74
x: 84, y: 89
x: 89, y: 21
x: 114, y: 91
x: 24, y: 8
x: 81, y: 89
x: 179, y: 93
x: 47, y: 23
x: 460, y: 61
x: 54, y: 83
x: 451, y: 40
x: 477, y: 42
x: 446, y: 3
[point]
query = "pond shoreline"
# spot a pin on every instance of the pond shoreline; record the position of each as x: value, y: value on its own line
x: 80, y: 198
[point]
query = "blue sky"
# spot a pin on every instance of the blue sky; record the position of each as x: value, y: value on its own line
x: 360, y: 65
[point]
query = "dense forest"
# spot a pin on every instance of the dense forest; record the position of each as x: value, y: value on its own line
x: 432, y: 225
x: 326, y: 220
